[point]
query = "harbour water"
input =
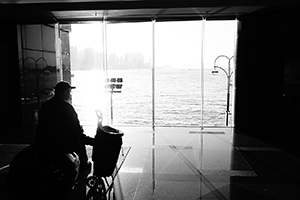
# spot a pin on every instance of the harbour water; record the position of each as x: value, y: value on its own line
x: 177, y: 97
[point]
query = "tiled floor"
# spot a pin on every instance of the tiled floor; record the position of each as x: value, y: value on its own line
x: 189, y: 163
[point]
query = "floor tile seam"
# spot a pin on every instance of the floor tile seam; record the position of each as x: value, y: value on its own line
x: 12, y: 144
x: 251, y: 180
x: 258, y: 149
x: 178, y: 147
x: 236, y: 173
x: 207, y: 132
x: 239, y: 173
x: 141, y: 178
x: 181, y: 147
x: 212, y: 180
x: 137, y: 187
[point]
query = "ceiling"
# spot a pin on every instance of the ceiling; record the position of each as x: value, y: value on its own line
x: 74, y: 11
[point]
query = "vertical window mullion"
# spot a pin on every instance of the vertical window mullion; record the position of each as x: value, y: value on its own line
x: 153, y: 74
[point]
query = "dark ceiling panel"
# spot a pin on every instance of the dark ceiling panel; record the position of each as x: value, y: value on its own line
x: 160, y: 14
x: 70, y: 11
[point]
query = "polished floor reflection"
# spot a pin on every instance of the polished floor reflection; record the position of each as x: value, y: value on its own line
x: 190, y: 163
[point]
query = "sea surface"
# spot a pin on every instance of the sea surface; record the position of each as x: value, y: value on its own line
x: 177, y: 99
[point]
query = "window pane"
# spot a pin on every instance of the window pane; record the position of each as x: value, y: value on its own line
x: 219, y: 41
x: 86, y: 54
x: 178, y: 62
x: 129, y: 48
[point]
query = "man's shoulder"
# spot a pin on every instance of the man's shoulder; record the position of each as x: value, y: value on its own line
x: 56, y: 102
x: 57, y: 106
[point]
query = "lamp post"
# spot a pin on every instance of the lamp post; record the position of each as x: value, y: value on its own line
x: 114, y: 85
x: 228, y: 73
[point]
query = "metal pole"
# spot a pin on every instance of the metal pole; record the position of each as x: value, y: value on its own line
x: 104, y: 40
x: 153, y: 76
x: 37, y: 76
x: 228, y: 89
x: 24, y: 78
x: 202, y: 72
x: 153, y: 109
x: 228, y: 97
x: 228, y: 75
x: 111, y: 105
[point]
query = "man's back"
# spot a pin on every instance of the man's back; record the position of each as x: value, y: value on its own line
x: 58, y: 127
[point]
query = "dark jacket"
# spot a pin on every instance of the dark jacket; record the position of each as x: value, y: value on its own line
x: 58, y: 129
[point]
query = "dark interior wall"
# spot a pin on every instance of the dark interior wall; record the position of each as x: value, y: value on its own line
x: 268, y: 44
x: 11, y: 115
x: 24, y: 79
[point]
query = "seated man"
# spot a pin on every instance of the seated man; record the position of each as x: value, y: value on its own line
x: 49, y: 168
x: 59, y: 131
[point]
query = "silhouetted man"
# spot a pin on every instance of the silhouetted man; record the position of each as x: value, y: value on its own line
x: 49, y: 168
x: 59, y: 131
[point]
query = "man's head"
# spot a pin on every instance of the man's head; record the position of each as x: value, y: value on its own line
x: 63, y: 90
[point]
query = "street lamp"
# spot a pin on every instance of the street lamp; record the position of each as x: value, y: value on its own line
x: 114, y: 85
x: 228, y: 73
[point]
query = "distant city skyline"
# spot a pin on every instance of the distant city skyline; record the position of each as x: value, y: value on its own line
x: 177, y: 44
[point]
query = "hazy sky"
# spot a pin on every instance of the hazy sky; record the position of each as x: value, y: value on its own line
x: 176, y: 43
